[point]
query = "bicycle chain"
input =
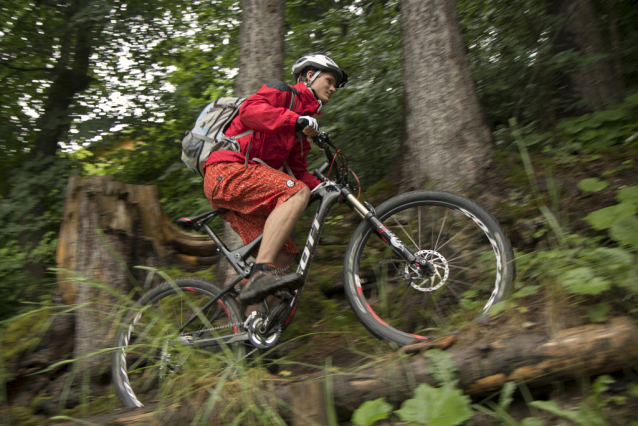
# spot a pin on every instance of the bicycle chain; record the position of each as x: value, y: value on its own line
x: 214, y: 329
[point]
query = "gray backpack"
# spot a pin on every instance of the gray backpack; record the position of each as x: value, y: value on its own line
x: 208, y: 134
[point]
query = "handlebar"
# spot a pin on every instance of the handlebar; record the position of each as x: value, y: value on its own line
x: 323, y: 141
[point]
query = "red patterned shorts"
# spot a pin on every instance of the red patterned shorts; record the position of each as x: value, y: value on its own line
x: 251, y: 193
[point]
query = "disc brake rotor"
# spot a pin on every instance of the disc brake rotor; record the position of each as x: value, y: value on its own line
x: 437, y: 279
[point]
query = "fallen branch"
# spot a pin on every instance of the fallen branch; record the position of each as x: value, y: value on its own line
x: 531, y: 358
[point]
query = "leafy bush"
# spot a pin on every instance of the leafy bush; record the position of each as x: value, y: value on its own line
x: 443, y: 406
x: 603, y: 129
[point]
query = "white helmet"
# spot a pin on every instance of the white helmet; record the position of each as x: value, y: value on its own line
x: 320, y: 62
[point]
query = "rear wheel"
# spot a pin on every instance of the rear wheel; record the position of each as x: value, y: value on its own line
x: 472, y: 260
x: 153, y: 354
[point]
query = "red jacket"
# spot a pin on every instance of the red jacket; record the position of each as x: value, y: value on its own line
x: 274, y: 140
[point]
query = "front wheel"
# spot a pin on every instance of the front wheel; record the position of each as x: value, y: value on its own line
x: 471, y: 258
x: 157, y: 353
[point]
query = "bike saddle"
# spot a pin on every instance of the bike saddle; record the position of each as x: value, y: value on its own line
x: 196, y: 222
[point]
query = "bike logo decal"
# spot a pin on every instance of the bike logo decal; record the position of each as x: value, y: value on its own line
x: 290, y: 183
x: 381, y: 228
x: 314, y: 231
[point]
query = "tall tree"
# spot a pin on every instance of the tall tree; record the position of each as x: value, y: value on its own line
x: 261, y: 44
x: 447, y: 140
x: 261, y: 59
x: 593, y: 78
x: 61, y: 63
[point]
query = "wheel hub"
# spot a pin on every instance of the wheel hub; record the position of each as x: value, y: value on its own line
x: 428, y: 282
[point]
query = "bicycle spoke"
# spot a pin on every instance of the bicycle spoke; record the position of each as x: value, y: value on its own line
x: 460, y: 252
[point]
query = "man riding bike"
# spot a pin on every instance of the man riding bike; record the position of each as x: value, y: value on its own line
x: 262, y: 198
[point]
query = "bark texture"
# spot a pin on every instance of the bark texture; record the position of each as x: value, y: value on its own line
x: 261, y: 59
x: 108, y: 229
x: 594, y: 81
x: 70, y: 76
x: 261, y: 44
x: 448, y: 142
x: 485, y: 367
x: 482, y: 368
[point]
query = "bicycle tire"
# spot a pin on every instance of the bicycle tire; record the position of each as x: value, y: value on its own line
x: 148, y: 352
x: 462, y: 241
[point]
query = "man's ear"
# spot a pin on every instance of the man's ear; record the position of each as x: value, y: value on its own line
x: 309, y: 74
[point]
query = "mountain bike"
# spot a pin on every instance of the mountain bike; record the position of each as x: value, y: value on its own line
x: 418, y: 265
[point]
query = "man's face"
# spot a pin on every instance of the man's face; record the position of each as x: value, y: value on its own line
x: 324, y: 86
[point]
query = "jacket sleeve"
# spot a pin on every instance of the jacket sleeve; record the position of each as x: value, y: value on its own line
x: 267, y: 110
x: 299, y: 164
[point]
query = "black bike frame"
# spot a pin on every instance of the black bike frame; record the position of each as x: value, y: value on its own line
x: 328, y: 193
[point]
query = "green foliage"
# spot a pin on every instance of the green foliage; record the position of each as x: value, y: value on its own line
x: 602, y: 129
x: 365, y: 117
x: 583, y: 280
x: 441, y: 406
x: 598, y: 313
x: 499, y: 411
x: 442, y: 367
x: 370, y: 412
x: 592, y: 185
x: 590, y: 412
x: 30, y: 213
x: 620, y: 219
x: 444, y: 406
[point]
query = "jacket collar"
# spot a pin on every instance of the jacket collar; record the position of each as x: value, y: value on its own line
x: 308, y: 99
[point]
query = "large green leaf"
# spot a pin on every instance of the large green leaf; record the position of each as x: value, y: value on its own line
x: 605, y: 218
x: 583, y: 281
x: 370, y: 412
x: 444, y: 406
x: 625, y: 231
x: 592, y: 185
x: 628, y: 194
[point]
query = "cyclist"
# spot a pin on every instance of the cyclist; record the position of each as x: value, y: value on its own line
x: 260, y: 196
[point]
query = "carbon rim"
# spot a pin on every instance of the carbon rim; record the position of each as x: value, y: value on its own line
x: 152, y: 352
x: 469, y: 246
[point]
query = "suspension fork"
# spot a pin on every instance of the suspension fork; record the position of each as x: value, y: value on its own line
x: 369, y: 215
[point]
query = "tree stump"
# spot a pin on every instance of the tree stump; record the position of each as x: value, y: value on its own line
x: 108, y: 228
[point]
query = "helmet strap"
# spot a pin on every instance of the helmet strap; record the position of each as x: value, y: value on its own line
x: 313, y: 78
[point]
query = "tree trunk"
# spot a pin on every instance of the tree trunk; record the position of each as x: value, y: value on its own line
x: 261, y: 45
x: 70, y: 77
x: 448, y: 142
x: 481, y: 368
x: 593, y: 81
x: 485, y: 367
x: 109, y: 228
x: 261, y: 59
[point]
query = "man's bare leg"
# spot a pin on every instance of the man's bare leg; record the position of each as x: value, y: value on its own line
x: 279, y: 226
x: 277, y: 229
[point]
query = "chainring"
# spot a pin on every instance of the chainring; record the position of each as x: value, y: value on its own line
x: 257, y: 337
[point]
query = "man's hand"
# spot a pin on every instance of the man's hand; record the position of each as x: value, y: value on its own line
x: 308, y: 126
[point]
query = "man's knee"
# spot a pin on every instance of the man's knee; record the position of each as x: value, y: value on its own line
x: 303, y: 194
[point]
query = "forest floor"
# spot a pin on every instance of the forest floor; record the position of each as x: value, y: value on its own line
x: 325, y: 333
